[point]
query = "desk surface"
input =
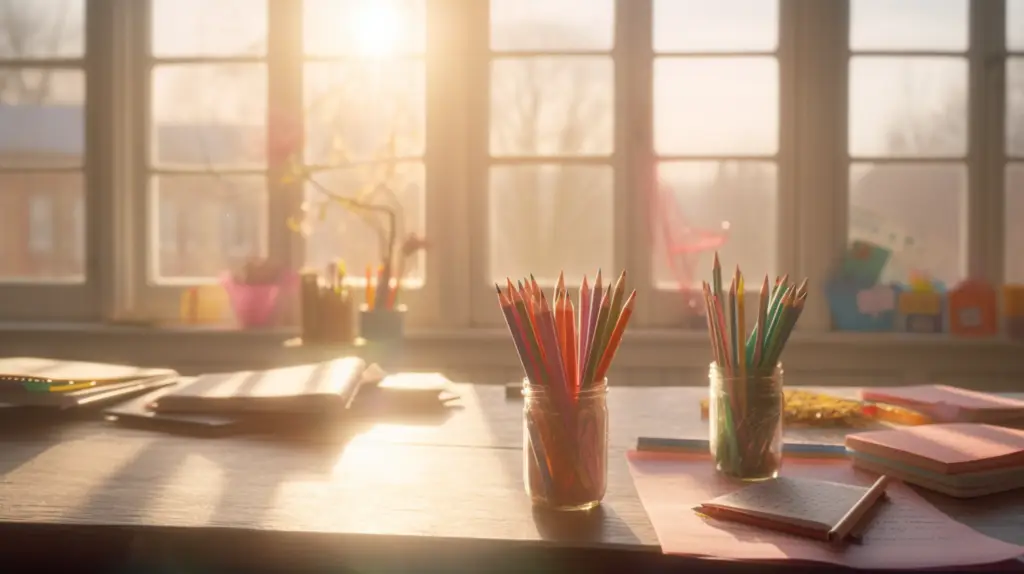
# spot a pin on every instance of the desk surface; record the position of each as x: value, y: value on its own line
x: 456, y: 479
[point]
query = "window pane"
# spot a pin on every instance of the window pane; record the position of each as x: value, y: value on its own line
x: 716, y: 25
x: 40, y: 238
x: 209, y: 28
x: 550, y: 218
x: 908, y: 25
x: 1015, y: 25
x: 209, y: 115
x: 1015, y: 107
x: 908, y: 107
x: 552, y: 106
x: 918, y: 211
x: 1014, y: 230
x: 354, y: 108
x: 217, y: 223
x: 716, y: 106
x: 708, y: 206
x: 42, y: 119
x: 343, y: 233
x: 552, y: 25
x: 35, y: 29
x: 364, y: 27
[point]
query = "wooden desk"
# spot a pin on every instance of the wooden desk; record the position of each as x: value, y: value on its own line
x: 445, y: 492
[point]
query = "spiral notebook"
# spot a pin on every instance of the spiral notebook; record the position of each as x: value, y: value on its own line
x: 41, y: 382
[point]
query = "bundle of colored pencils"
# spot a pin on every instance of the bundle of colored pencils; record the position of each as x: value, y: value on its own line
x: 560, y: 351
x: 778, y: 310
x: 748, y: 400
x: 566, y: 358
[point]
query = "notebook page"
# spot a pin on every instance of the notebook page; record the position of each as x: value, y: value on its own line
x: 906, y: 533
x: 73, y: 370
x: 951, y: 443
x: 330, y: 378
x: 813, y: 503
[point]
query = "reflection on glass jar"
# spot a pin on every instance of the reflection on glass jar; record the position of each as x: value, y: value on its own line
x: 745, y: 423
x: 565, y: 447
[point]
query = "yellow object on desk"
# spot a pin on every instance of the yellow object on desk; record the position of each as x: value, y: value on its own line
x: 809, y: 408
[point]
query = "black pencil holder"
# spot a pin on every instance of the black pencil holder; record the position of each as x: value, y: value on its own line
x: 382, y: 325
x: 745, y: 413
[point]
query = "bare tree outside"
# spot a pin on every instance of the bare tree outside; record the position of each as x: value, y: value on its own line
x: 546, y: 217
x: 34, y: 29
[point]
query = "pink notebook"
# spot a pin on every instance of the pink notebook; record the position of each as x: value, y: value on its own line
x: 944, y: 403
x: 951, y: 448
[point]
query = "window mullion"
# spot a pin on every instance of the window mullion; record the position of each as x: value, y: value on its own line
x: 477, y: 25
x: 635, y: 163
x: 123, y: 244
x: 820, y: 56
x: 285, y: 127
x: 986, y: 141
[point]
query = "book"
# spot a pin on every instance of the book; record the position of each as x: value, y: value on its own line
x: 824, y: 510
x: 304, y: 389
x: 947, y: 449
x: 970, y: 485
x: 944, y: 403
x: 55, y: 383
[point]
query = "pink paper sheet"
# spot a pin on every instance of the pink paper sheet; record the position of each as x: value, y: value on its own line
x: 907, y: 533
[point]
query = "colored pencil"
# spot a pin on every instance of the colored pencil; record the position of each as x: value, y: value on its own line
x: 616, y: 337
x: 557, y: 349
x: 584, y: 327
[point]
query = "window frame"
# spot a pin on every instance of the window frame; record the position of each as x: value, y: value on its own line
x: 812, y: 54
x: 60, y: 299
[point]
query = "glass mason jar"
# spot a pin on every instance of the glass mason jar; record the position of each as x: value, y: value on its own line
x: 745, y: 423
x: 565, y: 447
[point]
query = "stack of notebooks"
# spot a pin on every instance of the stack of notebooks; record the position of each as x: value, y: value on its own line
x: 946, y: 404
x: 963, y: 460
x: 52, y: 383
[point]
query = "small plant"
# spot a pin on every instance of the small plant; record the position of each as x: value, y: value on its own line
x: 375, y: 205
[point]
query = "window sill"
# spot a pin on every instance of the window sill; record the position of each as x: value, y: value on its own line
x: 647, y: 357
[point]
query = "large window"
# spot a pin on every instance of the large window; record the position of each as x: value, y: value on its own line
x: 908, y: 137
x: 365, y: 124
x: 550, y: 186
x: 207, y: 152
x: 716, y: 133
x: 42, y: 154
x: 518, y: 136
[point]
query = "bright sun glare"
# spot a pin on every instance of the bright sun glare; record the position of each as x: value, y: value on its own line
x: 377, y: 28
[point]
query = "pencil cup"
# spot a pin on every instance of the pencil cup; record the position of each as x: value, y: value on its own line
x: 565, y: 446
x: 382, y: 325
x: 745, y: 423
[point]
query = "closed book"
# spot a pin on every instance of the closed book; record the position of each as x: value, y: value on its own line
x: 969, y: 485
x: 948, y: 449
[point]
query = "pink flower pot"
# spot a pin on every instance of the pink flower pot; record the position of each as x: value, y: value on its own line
x: 255, y: 306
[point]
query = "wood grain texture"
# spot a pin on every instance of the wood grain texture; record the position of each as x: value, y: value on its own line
x: 456, y: 479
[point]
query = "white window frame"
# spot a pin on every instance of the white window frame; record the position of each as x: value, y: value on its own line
x: 812, y: 160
